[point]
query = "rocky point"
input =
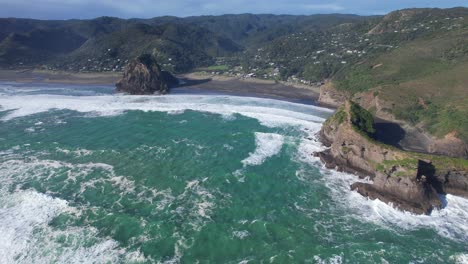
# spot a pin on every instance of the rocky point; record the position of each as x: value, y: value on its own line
x: 412, y: 182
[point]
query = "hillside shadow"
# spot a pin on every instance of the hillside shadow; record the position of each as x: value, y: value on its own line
x: 389, y: 133
x: 184, y: 82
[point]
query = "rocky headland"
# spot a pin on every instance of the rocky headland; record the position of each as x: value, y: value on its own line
x: 412, y: 182
x: 416, y: 138
x: 143, y: 75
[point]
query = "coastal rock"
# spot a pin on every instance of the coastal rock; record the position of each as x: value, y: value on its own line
x: 410, y: 181
x: 143, y: 75
x: 449, y: 145
x: 415, y: 138
x: 453, y: 181
x: 329, y: 96
x: 405, y: 193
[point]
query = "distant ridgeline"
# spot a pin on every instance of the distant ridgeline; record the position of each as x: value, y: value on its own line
x: 409, y: 65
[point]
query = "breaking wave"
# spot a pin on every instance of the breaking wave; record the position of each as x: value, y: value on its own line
x: 25, y: 215
x: 267, y: 145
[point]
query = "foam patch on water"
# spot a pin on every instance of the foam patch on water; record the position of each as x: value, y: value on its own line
x: 25, y: 216
x: 337, y: 259
x: 450, y: 222
x: 241, y: 234
x: 77, y: 152
x: 196, y: 202
x: 460, y: 258
x: 267, y: 145
x: 272, y: 113
x: 200, y: 204
x: 28, y: 238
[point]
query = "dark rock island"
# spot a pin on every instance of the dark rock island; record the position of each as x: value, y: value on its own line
x: 143, y: 75
x: 410, y: 181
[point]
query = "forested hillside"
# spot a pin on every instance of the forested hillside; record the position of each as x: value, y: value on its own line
x: 409, y: 65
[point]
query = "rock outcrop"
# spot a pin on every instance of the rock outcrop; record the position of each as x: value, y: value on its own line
x: 143, y: 75
x: 410, y: 181
x: 416, y: 138
x: 329, y: 96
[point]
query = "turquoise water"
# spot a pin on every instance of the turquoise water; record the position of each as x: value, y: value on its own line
x: 91, y: 177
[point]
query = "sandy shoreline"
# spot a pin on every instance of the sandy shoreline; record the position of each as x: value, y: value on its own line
x: 192, y: 82
x: 248, y: 87
x: 388, y: 132
x: 200, y: 76
x: 39, y: 76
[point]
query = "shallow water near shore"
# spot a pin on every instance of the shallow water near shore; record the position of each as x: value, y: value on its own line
x: 87, y: 176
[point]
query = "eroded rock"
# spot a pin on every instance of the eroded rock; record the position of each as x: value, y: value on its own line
x: 410, y: 181
x: 143, y: 75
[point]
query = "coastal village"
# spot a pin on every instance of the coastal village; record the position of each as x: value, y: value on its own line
x: 236, y: 138
x: 306, y: 58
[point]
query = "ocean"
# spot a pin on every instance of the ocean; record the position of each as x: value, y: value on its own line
x: 88, y: 176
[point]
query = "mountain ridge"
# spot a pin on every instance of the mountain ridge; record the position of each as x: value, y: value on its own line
x: 407, y: 66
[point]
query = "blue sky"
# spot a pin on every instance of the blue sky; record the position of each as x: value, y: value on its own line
x: 65, y: 9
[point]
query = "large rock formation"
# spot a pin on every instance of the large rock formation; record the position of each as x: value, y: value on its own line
x: 416, y: 138
x: 143, y: 75
x: 411, y: 181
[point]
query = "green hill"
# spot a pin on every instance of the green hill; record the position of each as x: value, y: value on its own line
x: 423, y: 80
x: 409, y: 65
x: 180, y: 44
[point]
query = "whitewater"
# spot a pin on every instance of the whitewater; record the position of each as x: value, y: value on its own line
x: 88, y: 176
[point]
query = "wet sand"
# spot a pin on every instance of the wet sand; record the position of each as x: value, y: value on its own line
x: 191, y: 83
x: 247, y: 87
x: 388, y: 132
x: 39, y: 76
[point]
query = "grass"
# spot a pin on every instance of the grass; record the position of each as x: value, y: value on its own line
x: 444, y: 162
x: 339, y: 117
x: 406, y: 160
x: 215, y: 68
x: 431, y: 69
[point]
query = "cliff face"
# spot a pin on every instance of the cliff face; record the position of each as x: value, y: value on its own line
x: 143, y: 75
x: 410, y: 181
x: 329, y: 96
x: 417, y: 139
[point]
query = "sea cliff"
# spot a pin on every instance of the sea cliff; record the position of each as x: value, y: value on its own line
x: 449, y: 144
x: 410, y: 181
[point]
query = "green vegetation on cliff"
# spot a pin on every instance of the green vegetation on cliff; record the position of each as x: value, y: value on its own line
x: 362, y: 119
x: 362, y: 122
x: 424, y: 78
x: 415, y: 60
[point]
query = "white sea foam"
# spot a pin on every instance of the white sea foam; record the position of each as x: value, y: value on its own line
x: 267, y: 145
x: 269, y: 112
x: 28, y: 238
x: 333, y: 260
x: 77, y: 152
x: 336, y: 259
x: 203, y: 202
x: 450, y: 222
x: 25, y: 216
x: 241, y: 234
x: 460, y: 258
